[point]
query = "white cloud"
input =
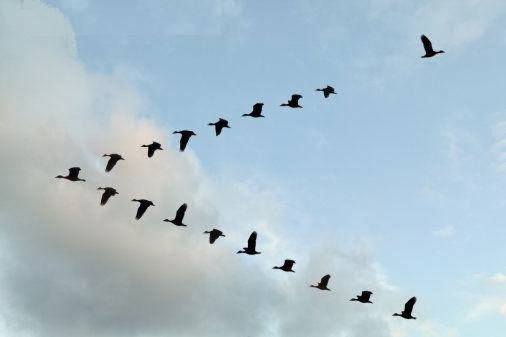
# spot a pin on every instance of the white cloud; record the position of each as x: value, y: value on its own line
x: 498, y: 278
x: 445, y: 232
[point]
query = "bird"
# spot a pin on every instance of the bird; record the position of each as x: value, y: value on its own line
x: 427, y: 45
x: 178, y: 220
x: 113, y: 159
x: 214, y: 235
x: 108, y: 192
x: 185, y: 137
x: 73, y: 174
x: 152, y: 148
x: 322, y: 285
x: 144, y: 204
x: 293, y: 102
x: 364, y: 297
x: 219, y: 125
x: 287, y: 266
x: 256, y: 112
x: 327, y: 91
x: 408, y: 309
x: 251, y: 249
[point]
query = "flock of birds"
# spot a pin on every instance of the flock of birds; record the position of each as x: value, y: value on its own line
x: 214, y: 234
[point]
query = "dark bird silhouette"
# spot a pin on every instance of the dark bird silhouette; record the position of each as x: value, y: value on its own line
x: 327, y: 91
x: 152, y: 148
x: 287, y: 266
x: 364, y: 297
x: 73, y: 174
x: 251, y: 249
x: 322, y: 285
x: 113, y: 159
x: 214, y: 235
x: 408, y: 309
x: 108, y: 192
x: 427, y: 45
x: 219, y: 125
x: 293, y: 102
x: 185, y: 137
x: 178, y: 220
x: 143, y: 206
x: 256, y: 112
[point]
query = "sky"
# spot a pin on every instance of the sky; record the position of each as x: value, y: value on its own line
x: 395, y: 185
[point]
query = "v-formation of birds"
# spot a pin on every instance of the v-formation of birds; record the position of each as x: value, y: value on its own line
x: 214, y: 234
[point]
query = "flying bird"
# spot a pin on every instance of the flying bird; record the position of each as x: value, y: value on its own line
x: 108, y: 192
x: 256, y: 112
x: 178, y: 220
x: 214, y: 235
x: 293, y: 102
x: 408, y: 309
x: 251, y: 249
x: 219, y: 125
x: 322, y: 285
x: 143, y: 206
x: 113, y: 159
x: 427, y: 45
x: 73, y: 174
x: 287, y: 266
x: 185, y: 137
x: 152, y: 148
x: 364, y: 297
x: 327, y: 91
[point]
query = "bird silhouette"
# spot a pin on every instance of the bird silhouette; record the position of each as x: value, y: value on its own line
x: 143, y: 206
x: 108, y: 192
x: 327, y: 91
x: 152, y: 148
x: 427, y: 45
x: 287, y: 266
x: 256, y: 112
x: 73, y: 175
x: 178, y: 220
x: 113, y: 159
x: 214, y: 234
x: 364, y: 297
x: 251, y: 249
x: 408, y: 309
x: 185, y: 137
x: 219, y: 125
x: 293, y: 102
x: 322, y: 285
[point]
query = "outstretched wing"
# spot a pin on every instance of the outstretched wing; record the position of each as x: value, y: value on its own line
x: 252, y: 241
x: 257, y: 108
x: 151, y: 150
x: 366, y: 295
x: 180, y: 213
x: 110, y: 164
x: 289, y: 264
x: 185, y: 137
x: 218, y: 127
x: 215, y: 234
x: 408, y: 307
x: 106, y: 195
x: 141, y: 210
x: 74, y: 171
x: 295, y: 98
x: 427, y: 45
x: 325, y: 280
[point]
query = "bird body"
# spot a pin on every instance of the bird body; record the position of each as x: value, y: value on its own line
x: 178, y: 219
x: 214, y: 234
x: 364, y: 297
x: 427, y: 45
x: 152, y: 148
x: 293, y: 102
x: 73, y: 175
x: 256, y: 112
x: 113, y: 159
x: 185, y: 137
x: 219, y: 125
x: 108, y: 192
x: 408, y: 309
x: 287, y: 266
x: 327, y: 91
x: 322, y: 285
x: 251, y: 249
x: 143, y: 206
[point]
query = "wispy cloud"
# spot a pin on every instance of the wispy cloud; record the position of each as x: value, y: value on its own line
x: 445, y: 232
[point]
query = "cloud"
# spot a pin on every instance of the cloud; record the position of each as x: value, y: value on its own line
x: 498, y: 278
x: 489, y: 299
x: 445, y: 232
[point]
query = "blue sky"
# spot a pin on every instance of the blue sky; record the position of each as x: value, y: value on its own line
x: 408, y: 159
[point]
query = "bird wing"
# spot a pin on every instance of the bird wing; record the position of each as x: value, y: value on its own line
x: 257, y: 109
x: 408, y: 307
x: 74, y: 171
x: 141, y: 210
x: 218, y: 127
x: 213, y: 236
x: 151, y: 150
x: 185, y: 137
x: 427, y: 45
x: 295, y: 98
x: 330, y: 89
x: 252, y: 241
x: 366, y: 295
x: 326, y: 93
x: 180, y: 213
x: 325, y: 280
x: 110, y: 163
x: 289, y: 263
x: 108, y: 192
